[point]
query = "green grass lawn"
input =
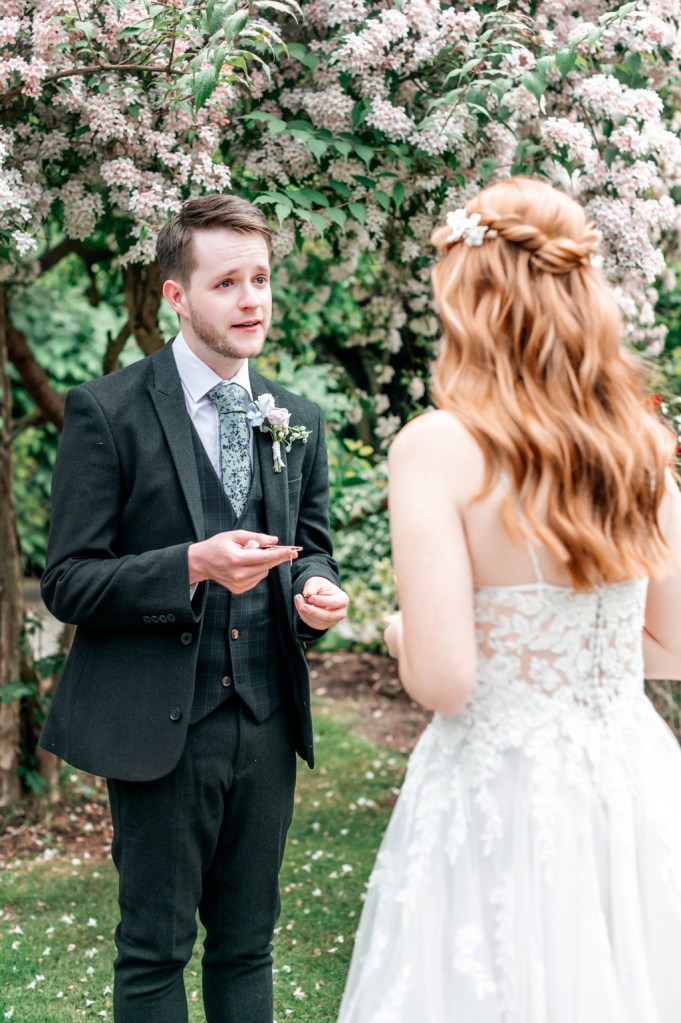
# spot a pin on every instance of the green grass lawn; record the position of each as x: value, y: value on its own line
x: 58, y: 916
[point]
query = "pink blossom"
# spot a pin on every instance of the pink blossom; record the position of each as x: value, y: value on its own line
x: 392, y: 121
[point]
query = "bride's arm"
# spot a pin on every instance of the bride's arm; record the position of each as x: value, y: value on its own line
x: 434, y: 468
x: 662, y: 633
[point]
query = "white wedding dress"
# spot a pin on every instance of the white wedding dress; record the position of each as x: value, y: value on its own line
x: 531, y: 871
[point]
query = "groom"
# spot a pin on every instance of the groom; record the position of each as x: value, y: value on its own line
x: 195, y: 574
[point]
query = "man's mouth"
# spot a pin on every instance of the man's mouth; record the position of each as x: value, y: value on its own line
x: 248, y: 323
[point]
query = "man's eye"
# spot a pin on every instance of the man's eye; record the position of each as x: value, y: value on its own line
x: 261, y: 279
x: 224, y: 284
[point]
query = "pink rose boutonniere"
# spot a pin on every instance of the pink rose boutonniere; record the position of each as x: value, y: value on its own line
x: 264, y: 413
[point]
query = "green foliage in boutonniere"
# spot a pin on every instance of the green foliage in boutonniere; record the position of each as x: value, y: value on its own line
x: 264, y: 413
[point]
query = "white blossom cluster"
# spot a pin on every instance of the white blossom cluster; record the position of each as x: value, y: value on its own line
x: 612, y: 145
x: 120, y: 152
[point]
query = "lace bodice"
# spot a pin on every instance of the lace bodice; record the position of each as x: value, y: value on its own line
x: 557, y: 638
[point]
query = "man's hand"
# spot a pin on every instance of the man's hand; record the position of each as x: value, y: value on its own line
x: 224, y: 559
x: 322, y: 603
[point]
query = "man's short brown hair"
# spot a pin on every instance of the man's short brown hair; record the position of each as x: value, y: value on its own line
x: 174, y: 247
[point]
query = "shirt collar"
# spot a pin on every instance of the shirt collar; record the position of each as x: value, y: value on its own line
x: 198, y: 378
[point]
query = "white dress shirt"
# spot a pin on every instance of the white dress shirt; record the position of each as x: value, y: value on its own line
x: 197, y: 380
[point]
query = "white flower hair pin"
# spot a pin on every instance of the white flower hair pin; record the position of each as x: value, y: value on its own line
x: 467, y: 228
x: 264, y: 413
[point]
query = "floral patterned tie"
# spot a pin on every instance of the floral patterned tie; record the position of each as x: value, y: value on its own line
x: 231, y: 401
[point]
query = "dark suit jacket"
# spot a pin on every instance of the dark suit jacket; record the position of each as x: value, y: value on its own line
x: 125, y: 507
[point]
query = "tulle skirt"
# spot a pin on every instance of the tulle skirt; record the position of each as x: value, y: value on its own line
x: 528, y: 879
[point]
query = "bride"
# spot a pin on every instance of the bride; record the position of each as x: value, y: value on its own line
x: 531, y: 871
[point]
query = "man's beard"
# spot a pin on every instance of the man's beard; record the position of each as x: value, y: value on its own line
x: 213, y: 339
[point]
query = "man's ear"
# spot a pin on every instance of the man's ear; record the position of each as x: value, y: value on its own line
x: 174, y: 294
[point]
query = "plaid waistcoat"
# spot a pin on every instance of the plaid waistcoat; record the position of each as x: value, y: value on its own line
x: 238, y: 651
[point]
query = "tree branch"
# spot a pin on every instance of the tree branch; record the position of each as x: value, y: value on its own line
x: 34, y: 378
x: 114, y: 347
x: 69, y: 247
x: 91, y: 69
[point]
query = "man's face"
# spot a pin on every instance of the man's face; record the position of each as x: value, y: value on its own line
x: 227, y: 304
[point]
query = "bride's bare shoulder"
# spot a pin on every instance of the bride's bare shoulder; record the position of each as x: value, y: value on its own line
x: 437, y: 430
x: 438, y: 438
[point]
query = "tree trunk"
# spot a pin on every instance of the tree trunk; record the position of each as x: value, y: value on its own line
x: 11, y: 587
x: 143, y: 293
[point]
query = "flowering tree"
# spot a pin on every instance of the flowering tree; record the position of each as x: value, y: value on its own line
x: 355, y: 136
x: 406, y: 112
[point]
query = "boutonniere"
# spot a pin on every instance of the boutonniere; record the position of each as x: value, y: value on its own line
x: 264, y: 413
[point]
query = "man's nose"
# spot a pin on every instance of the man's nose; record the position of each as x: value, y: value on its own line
x: 248, y: 296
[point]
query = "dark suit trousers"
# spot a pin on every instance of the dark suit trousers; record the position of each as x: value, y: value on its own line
x: 208, y: 836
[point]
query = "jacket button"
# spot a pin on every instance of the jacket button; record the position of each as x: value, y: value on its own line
x: 146, y: 619
x: 163, y: 618
x: 226, y: 681
x: 171, y: 618
x: 154, y: 619
x: 235, y: 633
x: 186, y: 638
x: 175, y: 713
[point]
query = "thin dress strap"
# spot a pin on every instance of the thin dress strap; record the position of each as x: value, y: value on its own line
x: 538, y: 575
x: 535, y: 562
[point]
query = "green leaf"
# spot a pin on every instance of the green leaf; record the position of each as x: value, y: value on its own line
x: 258, y: 115
x: 383, y: 199
x: 233, y: 24
x: 344, y: 148
x: 303, y: 55
x: 282, y: 212
x: 566, y: 60
x: 486, y: 168
x: 307, y: 196
x: 359, y: 112
x: 358, y: 211
x: 610, y: 153
x: 87, y: 28
x: 476, y: 98
x: 214, y: 16
x: 203, y: 85
x: 365, y: 153
x: 343, y: 190
x: 633, y: 62
x: 276, y: 126
x: 274, y: 5
x: 318, y: 221
x: 218, y: 59
x: 274, y: 197
x: 337, y: 216
x: 302, y: 126
x: 367, y: 182
x: 535, y: 82
x: 398, y: 193
x: 317, y: 147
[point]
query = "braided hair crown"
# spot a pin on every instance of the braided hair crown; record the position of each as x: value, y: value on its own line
x: 549, y: 248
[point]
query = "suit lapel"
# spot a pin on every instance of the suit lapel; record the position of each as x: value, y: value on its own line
x: 168, y: 398
x: 274, y: 484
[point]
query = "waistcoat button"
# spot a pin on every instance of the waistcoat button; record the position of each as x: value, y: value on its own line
x: 186, y: 638
x: 235, y: 633
x: 226, y: 681
x: 175, y: 713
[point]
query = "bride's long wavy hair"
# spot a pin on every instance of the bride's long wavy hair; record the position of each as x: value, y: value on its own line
x: 533, y: 364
